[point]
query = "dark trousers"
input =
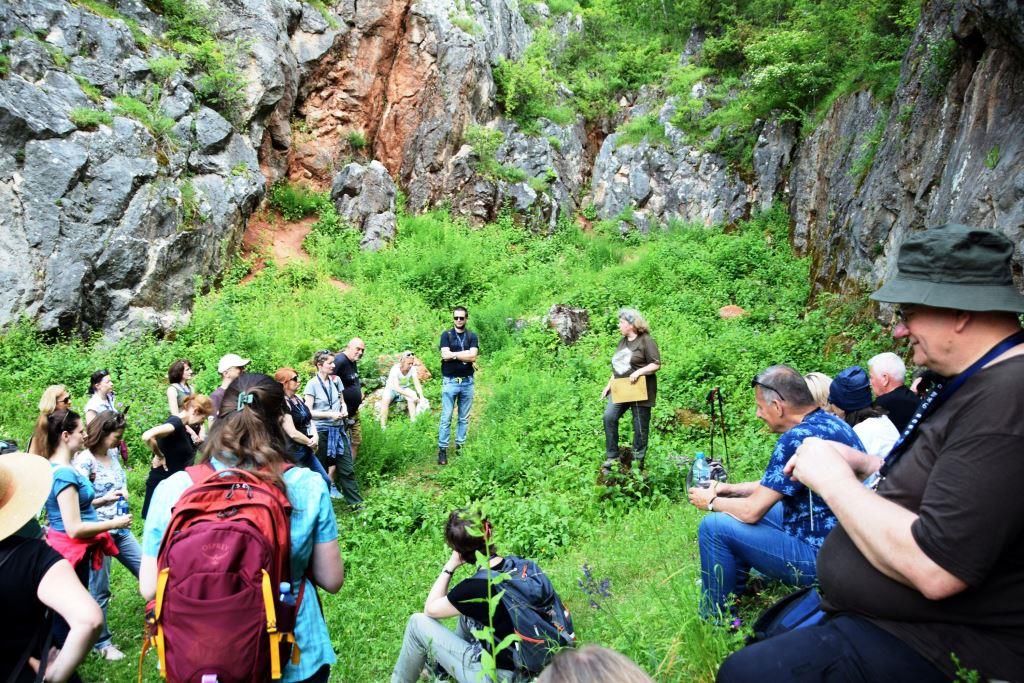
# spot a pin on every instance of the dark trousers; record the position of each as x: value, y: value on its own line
x: 641, y: 428
x: 843, y: 648
x: 344, y: 467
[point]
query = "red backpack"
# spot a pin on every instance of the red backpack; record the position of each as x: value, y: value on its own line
x: 219, y: 614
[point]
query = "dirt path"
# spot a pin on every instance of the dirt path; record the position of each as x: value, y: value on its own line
x: 270, y: 235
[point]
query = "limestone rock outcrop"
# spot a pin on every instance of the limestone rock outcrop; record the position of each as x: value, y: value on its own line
x: 948, y: 148
x: 365, y: 197
x: 112, y: 211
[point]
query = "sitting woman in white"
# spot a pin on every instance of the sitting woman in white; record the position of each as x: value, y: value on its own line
x: 403, y: 381
x: 849, y: 397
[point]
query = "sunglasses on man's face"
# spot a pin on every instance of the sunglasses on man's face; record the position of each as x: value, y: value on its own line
x: 460, y: 317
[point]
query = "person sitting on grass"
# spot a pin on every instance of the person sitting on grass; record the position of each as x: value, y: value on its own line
x: 849, y: 398
x: 459, y: 652
x: 403, y: 381
x: 592, y: 664
x: 774, y: 525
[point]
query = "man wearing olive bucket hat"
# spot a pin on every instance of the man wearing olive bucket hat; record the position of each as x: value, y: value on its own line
x: 34, y: 579
x: 923, y: 578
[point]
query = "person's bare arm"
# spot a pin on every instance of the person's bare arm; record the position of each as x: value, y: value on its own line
x: 147, y: 577
x: 648, y: 369
x: 327, y: 566
x: 417, y: 385
x: 321, y: 414
x: 748, y: 509
x: 879, y: 528
x: 67, y: 500
x: 172, y: 400
x: 288, y: 424
x: 740, y: 489
x: 62, y: 592
x: 437, y: 604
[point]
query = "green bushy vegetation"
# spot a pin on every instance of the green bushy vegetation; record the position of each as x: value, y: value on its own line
x: 295, y: 201
x: 536, y: 439
x: 150, y: 115
x: 759, y: 56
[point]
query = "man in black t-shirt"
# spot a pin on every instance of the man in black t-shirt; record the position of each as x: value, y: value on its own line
x: 924, y: 579
x: 457, y: 652
x: 345, y: 369
x: 459, y: 350
x: 887, y: 374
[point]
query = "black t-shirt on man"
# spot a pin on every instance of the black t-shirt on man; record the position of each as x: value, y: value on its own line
x: 29, y: 560
x: 963, y: 476
x: 901, y: 404
x: 346, y: 370
x: 466, y: 597
x: 457, y: 341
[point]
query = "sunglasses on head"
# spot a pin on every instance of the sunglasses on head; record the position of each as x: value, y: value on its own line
x: 754, y: 383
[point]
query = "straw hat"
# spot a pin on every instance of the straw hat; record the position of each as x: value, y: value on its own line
x: 25, y: 482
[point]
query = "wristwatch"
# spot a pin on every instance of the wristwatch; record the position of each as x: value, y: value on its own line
x: 711, y: 503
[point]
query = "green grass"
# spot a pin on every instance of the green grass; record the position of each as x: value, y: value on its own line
x: 296, y: 201
x: 87, y: 118
x: 536, y: 440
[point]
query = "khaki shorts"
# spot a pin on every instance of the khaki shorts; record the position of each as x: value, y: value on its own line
x: 355, y: 431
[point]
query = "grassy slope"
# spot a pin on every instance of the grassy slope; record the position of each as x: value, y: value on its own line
x: 536, y: 436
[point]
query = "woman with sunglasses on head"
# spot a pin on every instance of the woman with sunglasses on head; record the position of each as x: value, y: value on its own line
x: 101, y: 395
x: 75, y: 530
x: 297, y: 423
x: 100, y: 463
x: 179, y: 378
x: 172, y: 446
x: 403, y: 380
x: 54, y: 397
x: 638, y: 358
x: 247, y: 435
x: 323, y: 397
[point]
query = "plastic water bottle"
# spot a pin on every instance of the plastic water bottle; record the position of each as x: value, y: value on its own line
x: 122, y: 506
x: 210, y: 678
x: 700, y: 473
x: 287, y: 597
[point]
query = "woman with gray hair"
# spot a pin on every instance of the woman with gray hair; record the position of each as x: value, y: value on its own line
x: 636, y: 357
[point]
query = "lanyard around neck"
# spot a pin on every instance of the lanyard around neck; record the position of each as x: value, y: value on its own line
x: 939, y: 395
x: 330, y: 396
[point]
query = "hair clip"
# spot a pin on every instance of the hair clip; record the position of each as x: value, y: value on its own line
x: 243, y: 398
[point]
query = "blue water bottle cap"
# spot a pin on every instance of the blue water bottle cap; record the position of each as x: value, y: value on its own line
x: 286, y: 587
x: 700, y: 455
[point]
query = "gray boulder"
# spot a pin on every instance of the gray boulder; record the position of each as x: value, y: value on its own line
x: 570, y: 323
x: 365, y: 197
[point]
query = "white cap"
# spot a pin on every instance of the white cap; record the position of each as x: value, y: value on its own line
x: 231, y: 360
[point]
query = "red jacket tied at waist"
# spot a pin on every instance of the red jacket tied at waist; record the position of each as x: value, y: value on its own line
x: 74, y: 549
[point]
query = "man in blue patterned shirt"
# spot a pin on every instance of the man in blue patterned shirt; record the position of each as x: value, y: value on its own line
x: 775, y: 525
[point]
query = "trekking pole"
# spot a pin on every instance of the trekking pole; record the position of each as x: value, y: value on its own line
x: 721, y: 417
x: 711, y: 407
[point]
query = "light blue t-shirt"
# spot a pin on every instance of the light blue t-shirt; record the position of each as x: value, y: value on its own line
x: 312, y: 522
x: 63, y: 477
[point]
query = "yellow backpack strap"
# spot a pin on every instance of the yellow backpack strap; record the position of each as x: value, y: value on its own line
x: 275, y: 636
x: 161, y: 651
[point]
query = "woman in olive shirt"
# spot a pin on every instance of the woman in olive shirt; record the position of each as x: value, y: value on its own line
x: 636, y: 357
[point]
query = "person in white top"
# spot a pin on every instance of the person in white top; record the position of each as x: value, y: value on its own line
x: 403, y: 380
x: 101, y: 395
x: 849, y: 397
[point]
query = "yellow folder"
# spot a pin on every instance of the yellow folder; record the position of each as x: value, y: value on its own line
x: 624, y: 392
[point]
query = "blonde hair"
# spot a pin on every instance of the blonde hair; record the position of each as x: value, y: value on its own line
x: 633, y: 317
x: 48, y: 401
x: 818, y: 383
x: 592, y: 664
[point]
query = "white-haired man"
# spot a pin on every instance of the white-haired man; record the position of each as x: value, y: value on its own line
x: 887, y: 374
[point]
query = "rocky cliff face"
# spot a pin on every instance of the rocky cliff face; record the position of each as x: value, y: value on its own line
x: 110, y: 215
x: 112, y: 212
x: 948, y: 148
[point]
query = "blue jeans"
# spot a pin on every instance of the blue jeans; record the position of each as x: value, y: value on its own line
x: 729, y: 549
x: 130, y: 555
x: 452, y: 391
x: 845, y: 647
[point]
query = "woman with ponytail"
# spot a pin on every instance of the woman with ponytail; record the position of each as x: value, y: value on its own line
x: 248, y: 434
x: 172, y: 444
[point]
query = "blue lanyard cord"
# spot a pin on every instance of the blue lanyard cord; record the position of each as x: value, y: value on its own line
x: 939, y: 395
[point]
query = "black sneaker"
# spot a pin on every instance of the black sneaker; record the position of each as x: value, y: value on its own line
x: 442, y: 456
x: 458, y: 448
